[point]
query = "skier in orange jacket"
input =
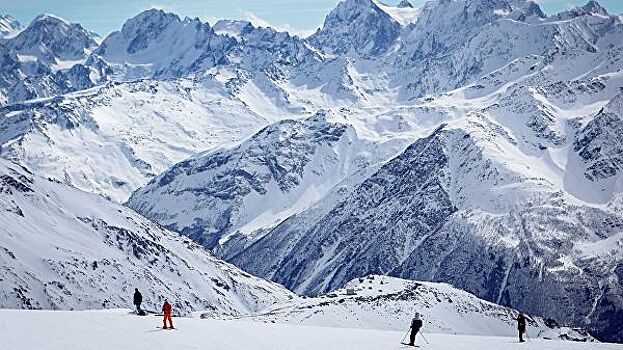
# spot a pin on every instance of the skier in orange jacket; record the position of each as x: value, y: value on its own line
x: 166, y: 309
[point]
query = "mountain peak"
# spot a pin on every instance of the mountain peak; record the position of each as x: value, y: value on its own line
x: 405, y: 4
x: 155, y: 14
x: 152, y: 20
x: 462, y: 16
x: 594, y: 7
x: 232, y: 28
x: 591, y: 8
x: 51, y: 38
x: 171, y: 46
x: 359, y: 25
x: 48, y: 17
x: 9, y: 25
x: 527, y: 8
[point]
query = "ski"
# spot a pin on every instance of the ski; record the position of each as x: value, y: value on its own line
x: 415, y: 346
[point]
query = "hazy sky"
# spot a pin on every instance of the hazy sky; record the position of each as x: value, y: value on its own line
x: 299, y: 16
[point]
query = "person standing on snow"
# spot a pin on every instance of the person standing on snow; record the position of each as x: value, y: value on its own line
x: 521, y: 326
x: 416, y: 324
x: 138, y: 299
x: 166, y: 309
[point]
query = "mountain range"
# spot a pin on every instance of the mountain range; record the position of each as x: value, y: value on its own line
x: 471, y: 142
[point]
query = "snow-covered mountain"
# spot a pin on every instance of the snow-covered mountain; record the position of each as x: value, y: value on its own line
x: 381, y: 302
x: 113, y: 139
x: 361, y: 27
x: 9, y: 26
x: 442, y: 193
x: 52, y: 40
x: 507, y: 175
x: 480, y: 145
x: 160, y: 44
x: 44, y: 59
x: 61, y: 248
x: 280, y: 171
x: 188, y: 114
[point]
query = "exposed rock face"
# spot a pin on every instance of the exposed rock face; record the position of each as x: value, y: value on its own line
x: 44, y: 59
x: 417, y: 218
x: 269, y: 173
x: 357, y: 25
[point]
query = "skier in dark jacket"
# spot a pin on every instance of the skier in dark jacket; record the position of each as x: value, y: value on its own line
x: 138, y: 300
x: 521, y: 326
x: 416, y: 324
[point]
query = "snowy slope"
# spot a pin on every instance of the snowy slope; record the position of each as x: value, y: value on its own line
x: 144, y: 128
x: 114, y: 329
x: 279, y: 171
x: 61, y: 248
x: 381, y: 302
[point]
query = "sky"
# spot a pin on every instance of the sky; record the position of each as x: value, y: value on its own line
x: 300, y: 17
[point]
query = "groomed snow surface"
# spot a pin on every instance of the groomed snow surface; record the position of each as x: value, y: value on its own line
x: 117, y: 329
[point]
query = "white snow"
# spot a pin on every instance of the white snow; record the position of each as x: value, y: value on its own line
x: 404, y: 16
x: 230, y: 28
x: 388, y: 303
x: 61, y: 65
x: 61, y: 248
x: 116, y: 329
x: 27, y: 58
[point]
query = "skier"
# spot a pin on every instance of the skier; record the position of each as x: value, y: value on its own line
x: 138, y: 299
x: 416, y: 324
x: 521, y: 326
x: 166, y: 309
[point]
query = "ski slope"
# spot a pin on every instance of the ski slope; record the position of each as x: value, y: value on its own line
x: 116, y: 329
x: 387, y: 303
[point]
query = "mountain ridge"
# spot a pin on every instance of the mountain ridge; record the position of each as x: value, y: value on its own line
x: 526, y: 167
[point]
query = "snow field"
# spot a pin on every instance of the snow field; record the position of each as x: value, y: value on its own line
x: 117, y: 329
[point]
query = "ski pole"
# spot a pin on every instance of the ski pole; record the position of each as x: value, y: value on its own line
x: 405, y: 337
x: 423, y: 337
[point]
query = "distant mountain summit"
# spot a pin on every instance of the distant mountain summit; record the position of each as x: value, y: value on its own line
x: 160, y: 44
x: 51, y: 40
x: 357, y: 25
x: 405, y: 4
x: 46, y: 58
x: 9, y: 26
